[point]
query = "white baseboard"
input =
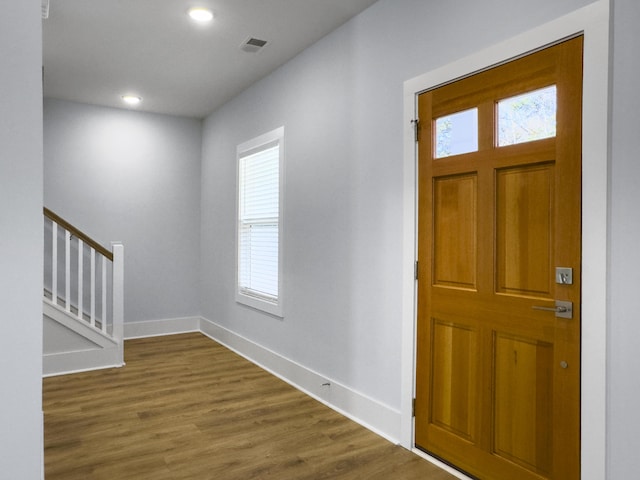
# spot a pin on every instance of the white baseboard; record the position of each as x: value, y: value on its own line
x: 81, y: 361
x: 155, y: 328
x: 366, y: 411
x: 373, y: 415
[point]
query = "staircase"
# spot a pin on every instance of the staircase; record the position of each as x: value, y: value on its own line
x: 82, y: 300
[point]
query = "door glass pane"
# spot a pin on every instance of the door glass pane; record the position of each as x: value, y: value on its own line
x: 527, y: 117
x: 457, y: 133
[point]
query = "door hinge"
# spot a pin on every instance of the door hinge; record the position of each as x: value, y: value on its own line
x: 416, y: 127
x: 413, y: 408
x: 416, y: 270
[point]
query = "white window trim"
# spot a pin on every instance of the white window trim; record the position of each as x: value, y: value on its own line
x: 274, y: 308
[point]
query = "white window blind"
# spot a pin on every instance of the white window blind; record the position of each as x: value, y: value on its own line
x: 259, y: 225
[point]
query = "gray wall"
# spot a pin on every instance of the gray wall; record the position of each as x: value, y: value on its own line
x: 21, y: 240
x: 624, y: 302
x: 59, y: 339
x: 133, y: 177
x: 341, y: 103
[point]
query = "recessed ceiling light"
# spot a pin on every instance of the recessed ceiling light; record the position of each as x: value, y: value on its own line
x: 131, y: 99
x: 200, y: 14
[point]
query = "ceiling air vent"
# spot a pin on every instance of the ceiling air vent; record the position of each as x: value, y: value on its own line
x: 45, y: 9
x: 253, y: 45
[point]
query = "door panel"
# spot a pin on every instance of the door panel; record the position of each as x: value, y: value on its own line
x: 523, y: 230
x: 454, y: 254
x: 498, y: 382
x: 454, y: 375
x: 523, y: 398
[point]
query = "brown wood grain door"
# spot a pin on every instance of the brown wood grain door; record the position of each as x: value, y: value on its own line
x: 498, y: 382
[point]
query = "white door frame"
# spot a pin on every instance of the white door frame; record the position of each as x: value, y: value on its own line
x: 593, y: 22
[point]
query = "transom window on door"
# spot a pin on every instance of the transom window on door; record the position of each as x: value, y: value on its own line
x: 519, y: 119
x: 457, y: 133
x: 259, y: 260
x: 527, y: 117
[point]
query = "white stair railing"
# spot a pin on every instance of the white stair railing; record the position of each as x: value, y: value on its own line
x: 83, y: 278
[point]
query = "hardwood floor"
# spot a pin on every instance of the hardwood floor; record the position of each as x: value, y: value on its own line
x: 184, y: 407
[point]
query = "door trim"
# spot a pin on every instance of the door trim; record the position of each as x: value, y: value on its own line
x: 593, y: 22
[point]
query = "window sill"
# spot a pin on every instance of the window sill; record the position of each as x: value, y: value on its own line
x: 265, y: 306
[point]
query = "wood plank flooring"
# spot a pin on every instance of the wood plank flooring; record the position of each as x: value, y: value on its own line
x: 185, y: 407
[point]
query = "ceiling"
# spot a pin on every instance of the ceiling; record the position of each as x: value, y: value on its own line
x: 95, y: 51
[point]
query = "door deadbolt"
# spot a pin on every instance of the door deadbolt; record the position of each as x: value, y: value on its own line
x: 564, y: 276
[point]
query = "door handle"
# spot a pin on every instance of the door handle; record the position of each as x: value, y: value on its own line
x: 550, y: 309
x: 562, y: 309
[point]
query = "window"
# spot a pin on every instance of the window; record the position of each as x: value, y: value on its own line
x: 259, y: 267
x: 527, y: 117
x: 457, y: 133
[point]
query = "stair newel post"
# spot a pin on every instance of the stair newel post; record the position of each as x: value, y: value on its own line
x: 118, y: 295
x: 104, y: 321
x: 92, y: 283
x: 54, y: 262
x: 80, y: 278
x: 67, y: 271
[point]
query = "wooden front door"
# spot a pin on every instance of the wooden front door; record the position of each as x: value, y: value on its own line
x: 498, y: 372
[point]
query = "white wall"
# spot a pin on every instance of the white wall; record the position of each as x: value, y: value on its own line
x: 133, y: 177
x: 341, y: 104
x: 624, y: 302
x: 21, y: 240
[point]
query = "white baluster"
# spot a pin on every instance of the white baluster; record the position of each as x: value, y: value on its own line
x: 67, y: 270
x: 93, y: 287
x: 80, y: 279
x: 104, y: 293
x: 54, y: 262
